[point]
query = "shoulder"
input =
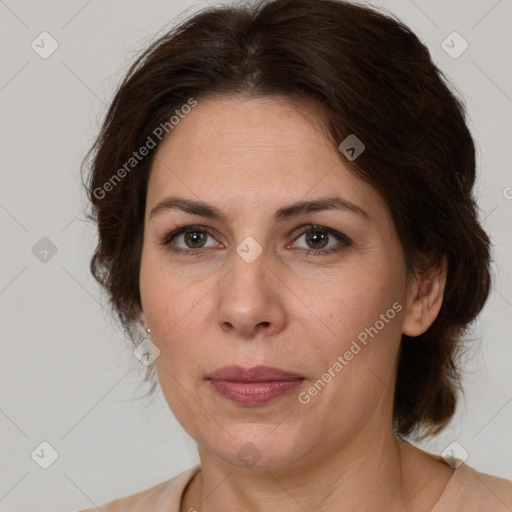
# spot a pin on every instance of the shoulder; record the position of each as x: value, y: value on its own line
x: 461, y: 490
x: 471, y: 490
x: 163, y: 497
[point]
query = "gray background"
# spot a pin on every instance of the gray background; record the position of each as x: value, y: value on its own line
x: 67, y: 377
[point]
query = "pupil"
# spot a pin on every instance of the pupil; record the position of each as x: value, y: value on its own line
x: 196, y: 237
x: 317, y: 237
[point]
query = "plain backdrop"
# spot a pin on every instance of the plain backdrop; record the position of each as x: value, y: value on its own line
x: 67, y: 378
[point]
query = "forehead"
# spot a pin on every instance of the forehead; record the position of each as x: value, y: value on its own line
x: 264, y: 151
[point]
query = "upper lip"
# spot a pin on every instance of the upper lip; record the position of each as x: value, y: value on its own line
x: 253, y: 374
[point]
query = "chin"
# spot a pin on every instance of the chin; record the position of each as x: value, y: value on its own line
x: 257, y: 447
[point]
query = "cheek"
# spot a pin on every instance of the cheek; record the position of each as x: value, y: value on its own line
x: 348, y: 300
x: 361, y: 313
x: 169, y: 296
x: 179, y: 310
x: 355, y: 361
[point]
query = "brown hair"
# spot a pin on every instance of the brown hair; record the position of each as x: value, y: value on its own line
x: 369, y: 75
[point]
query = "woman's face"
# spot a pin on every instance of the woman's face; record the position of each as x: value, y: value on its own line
x: 241, y: 288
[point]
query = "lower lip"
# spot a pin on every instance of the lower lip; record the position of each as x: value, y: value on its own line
x: 254, y: 393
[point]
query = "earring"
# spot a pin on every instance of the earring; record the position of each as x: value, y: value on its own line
x: 149, y: 330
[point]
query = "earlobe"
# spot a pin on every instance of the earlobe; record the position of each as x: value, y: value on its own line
x: 425, y: 299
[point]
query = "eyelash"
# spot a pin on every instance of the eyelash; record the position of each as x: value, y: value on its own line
x: 309, y: 252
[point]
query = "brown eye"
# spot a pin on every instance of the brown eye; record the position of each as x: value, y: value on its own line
x: 194, y: 239
x: 189, y: 239
x: 321, y: 241
x: 317, y: 238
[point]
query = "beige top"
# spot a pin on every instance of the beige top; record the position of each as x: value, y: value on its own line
x: 467, y: 491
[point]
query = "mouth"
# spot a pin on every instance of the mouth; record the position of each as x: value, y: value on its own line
x: 253, y: 386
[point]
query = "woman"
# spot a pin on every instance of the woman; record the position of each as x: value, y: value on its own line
x: 283, y: 194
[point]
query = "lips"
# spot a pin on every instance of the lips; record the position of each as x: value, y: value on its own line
x: 253, y: 386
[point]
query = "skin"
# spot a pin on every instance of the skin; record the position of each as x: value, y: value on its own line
x: 248, y: 158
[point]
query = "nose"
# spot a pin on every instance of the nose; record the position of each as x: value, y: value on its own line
x: 250, y: 299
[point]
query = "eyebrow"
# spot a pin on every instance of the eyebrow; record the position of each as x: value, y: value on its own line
x: 286, y: 212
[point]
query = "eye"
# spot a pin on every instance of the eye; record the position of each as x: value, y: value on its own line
x: 320, y: 238
x: 193, y: 238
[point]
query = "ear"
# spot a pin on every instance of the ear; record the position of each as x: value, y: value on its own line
x: 425, y: 297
